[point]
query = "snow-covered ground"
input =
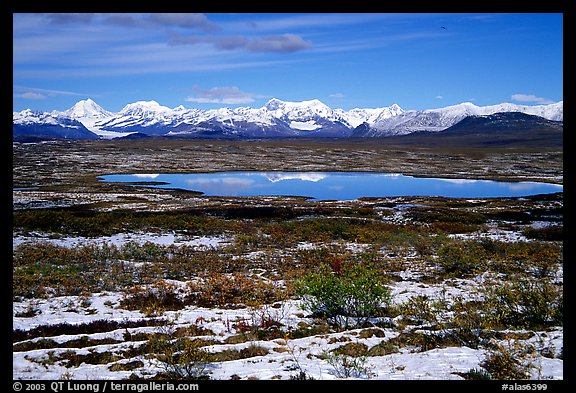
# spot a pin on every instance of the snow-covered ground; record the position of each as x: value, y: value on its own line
x: 284, y: 358
x: 119, y: 239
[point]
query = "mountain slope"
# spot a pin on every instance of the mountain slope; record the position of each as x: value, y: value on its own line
x: 503, y: 129
x: 434, y: 120
x: 502, y: 122
x: 34, y: 125
x: 276, y: 118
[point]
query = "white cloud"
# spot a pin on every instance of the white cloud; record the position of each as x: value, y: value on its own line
x: 439, y: 97
x: 531, y: 98
x: 33, y: 93
x: 284, y: 43
x: 31, y: 96
x: 188, y: 21
x: 231, y: 95
x: 224, y: 186
x: 336, y: 95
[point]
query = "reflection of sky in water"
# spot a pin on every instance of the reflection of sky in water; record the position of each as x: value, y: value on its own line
x: 219, y: 185
x: 337, y: 185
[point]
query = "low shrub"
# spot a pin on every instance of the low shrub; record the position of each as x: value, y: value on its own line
x: 524, y: 303
x: 459, y: 259
x: 418, y: 310
x: 226, y: 355
x: 153, y: 299
x: 549, y: 233
x: 237, y: 289
x: 505, y: 363
x: 477, y: 375
x: 383, y: 349
x: 345, y: 366
x: 182, y: 358
x: 353, y: 291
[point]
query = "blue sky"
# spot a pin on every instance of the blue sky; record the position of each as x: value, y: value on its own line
x: 346, y: 60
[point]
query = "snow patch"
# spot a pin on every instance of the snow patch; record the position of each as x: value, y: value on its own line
x: 166, y: 239
x: 304, y: 125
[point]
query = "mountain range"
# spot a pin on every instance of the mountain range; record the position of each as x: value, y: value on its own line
x: 277, y: 118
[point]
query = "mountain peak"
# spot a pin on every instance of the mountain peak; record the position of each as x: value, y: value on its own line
x: 456, y: 107
x: 143, y: 103
x: 87, y: 108
x: 314, y: 101
x: 139, y: 107
x: 274, y: 104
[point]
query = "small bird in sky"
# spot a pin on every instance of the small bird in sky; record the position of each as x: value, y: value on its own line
x: 442, y: 27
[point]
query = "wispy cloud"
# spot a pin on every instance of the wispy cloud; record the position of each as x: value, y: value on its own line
x: 85, y: 45
x: 278, y: 43
x: 231, y: 95
x: 189, y: 21
x: 284, y: 43
x: 32, y: 93
x: 69, y: 18
x: 96, y: 45
x: 168, y: 20
x: 31, y: 96
x: 178, y: 27
x: 315, y: 21
x: 531, y: 98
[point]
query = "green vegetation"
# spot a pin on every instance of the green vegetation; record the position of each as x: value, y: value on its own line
x: 525, y: 303
x: 181, y: 358
x: 344, y: 291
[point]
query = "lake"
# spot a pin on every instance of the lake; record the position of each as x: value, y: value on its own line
x: 333, y: 185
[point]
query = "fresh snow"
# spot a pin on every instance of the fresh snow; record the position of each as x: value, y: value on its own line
x: 304, y: 125
x: 119, y: 239
x: 285, y: 357
x: 308, y: 116
x: 89, y: 113
x: 282, y: 360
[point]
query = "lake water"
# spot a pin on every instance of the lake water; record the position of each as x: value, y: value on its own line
x: 333, y: 185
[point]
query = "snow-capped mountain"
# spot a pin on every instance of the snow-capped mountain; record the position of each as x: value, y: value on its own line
x: 87, y: 109
x: 88, y: 113
x: 276, y: 118
x: 142, y: 115
x: 501, y: 129
x: 502, y: 122
x: 440, y: 119
x: 29, y: 124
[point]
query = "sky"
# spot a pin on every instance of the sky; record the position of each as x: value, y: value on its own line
x: 346, y: 60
